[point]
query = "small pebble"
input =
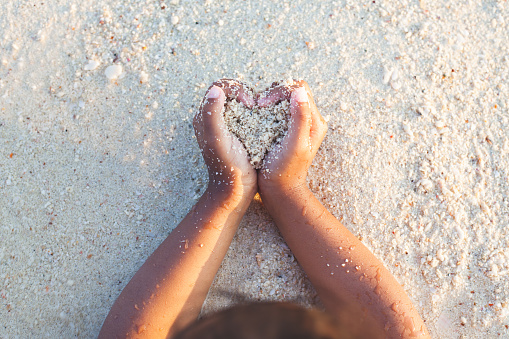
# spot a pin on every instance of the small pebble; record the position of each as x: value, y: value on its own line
x: 444, y: 131
x: 387, y: 76
x: 174, y: 20
x: 426, y: 184
x: 395, y: 75
x: 143, y: 77
x: 396, y: 85
x: 460, y: 232
x: 439, y: 124
x: 440, y: 255
x: 423, y: 110
x: 91, y: 65
x: 113, y: 72
x: 407, y: 130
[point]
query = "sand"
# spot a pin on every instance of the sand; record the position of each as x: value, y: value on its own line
x: 259, y: 129
x: 99, y: 162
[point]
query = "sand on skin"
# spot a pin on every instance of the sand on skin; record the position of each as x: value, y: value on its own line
x: 97, y: 167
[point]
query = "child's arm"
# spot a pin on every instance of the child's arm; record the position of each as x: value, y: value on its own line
x: 350, y: 281
x: 168, y: 291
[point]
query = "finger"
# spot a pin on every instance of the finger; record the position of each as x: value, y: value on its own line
x: 198, y: 128
x: 318, y: 124
x: 302, y: 83
x: 274, y: 95
x: 246, y: 97
x: 229, y: 87
x: 300, y: 117
x: 317, y: 135
x: 278, y: 92
x: 213, y: 128
x: 318, y: 128
x: 234, y: 89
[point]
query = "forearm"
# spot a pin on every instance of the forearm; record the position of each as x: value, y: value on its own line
x: 347, y: 276
x: 169, y: 289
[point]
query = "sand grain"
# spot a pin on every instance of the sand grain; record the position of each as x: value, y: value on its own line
x: 258, y: 129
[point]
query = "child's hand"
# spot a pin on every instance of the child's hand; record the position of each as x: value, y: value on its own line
x: 227, y: 160
x: 285, y: 167
x: 168, y: 291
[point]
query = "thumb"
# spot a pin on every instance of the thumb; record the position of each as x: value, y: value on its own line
x: 300, y: 117
x: 215, y: 140
x: 214, y: 128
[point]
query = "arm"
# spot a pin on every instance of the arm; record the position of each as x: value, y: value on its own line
x: 351, y: 282
x: 168, y: 291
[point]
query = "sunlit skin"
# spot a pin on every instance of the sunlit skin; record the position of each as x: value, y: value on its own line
x: 167, y: 292
x: 351, y: 282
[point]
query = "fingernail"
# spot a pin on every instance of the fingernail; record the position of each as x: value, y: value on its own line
x: 214, y: 92
x: 300, y: 95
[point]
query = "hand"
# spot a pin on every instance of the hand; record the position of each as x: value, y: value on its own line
x: 285, y: 167
x: 227, y: 161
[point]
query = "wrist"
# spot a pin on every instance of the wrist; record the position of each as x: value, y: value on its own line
x: 278, y: 192
x: 230, y: 195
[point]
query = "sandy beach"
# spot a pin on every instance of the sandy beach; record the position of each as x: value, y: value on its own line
x: 98, y: 159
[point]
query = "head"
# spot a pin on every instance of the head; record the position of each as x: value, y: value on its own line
x: 269, y: 321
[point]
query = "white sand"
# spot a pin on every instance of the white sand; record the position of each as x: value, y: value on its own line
x: 415, y: 162
x: 259, y: 129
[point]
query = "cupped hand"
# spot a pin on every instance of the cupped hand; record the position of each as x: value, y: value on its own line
x: 285, y: 167
x: 226, y: 159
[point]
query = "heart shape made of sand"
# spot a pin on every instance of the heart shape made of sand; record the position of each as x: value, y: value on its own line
x: 259, y: 129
